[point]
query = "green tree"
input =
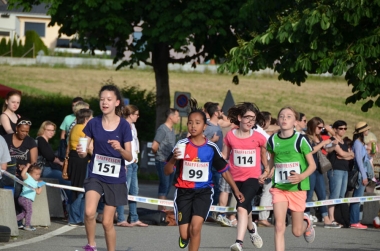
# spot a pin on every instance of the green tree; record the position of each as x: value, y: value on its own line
x: 3, y: 46
x: 32, y: 38
x: 166, y: 25
x: 16, y: 49
x: 295, y: 38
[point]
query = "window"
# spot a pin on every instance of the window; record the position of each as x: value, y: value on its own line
x: 39, y: 28
x: 4, y: 33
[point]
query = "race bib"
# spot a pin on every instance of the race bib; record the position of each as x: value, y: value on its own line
x: 106, y: 166
x: 244, y: 158
x: 195, y: 171
x: 282, y: 171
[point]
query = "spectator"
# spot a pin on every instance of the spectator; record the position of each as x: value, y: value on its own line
x: 4, y: 158
x: 9, y: 117
x: 361, y: 162
x: 79, y: 105
x: 51, y: 165
x: 30, y: 174
x: 131, y: 113
x: 316, y: 179
x: 339, y: 156
x: 65, y: 126
x: 77, y: 168
x: 162, y: 146
x: 23, y: 150
x: 301, y: 123
x: 214, y: 133
x: 266, y: 196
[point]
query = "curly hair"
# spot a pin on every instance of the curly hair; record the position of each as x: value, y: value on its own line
x: 241, y: 109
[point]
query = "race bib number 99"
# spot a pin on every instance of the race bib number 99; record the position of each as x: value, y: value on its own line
x: 195, y: 171
x: 283, y: 170
x: 244, y: 158
x: 106, y: 166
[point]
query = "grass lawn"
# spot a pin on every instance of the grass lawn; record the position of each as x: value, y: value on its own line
x: 319, y: 96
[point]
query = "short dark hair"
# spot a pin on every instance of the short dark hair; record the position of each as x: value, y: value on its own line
x: 206, y: 105
x: 77, y: 99
x: 339, y: 123
x: 170, y: 111
x: 212, y: 108
x: 82, y: 115
x: 300, y: 116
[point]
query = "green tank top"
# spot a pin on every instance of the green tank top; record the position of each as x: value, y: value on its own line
x: 289, y: 155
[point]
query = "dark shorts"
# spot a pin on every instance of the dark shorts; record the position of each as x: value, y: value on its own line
x: 189, y: 202
x: 112, y: 194
x: 249, y: 189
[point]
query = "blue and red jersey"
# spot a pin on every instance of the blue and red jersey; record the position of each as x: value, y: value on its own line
x: 195, y: 169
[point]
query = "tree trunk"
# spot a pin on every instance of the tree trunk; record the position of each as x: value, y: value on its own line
x: 160, y: 60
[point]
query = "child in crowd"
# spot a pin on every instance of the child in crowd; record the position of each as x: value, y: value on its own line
x: 194, y: 193
x: 30, y: 174
x: 293, y: 162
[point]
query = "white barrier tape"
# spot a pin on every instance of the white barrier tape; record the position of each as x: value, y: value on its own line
x: 169, y: 203
x: 16, y: 179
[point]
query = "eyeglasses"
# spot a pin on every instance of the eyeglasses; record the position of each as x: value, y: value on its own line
x: 249, y: 118
x: 342, y: 128
x: 25, y: 122
x: 137, y: 114
x: 320, y: 127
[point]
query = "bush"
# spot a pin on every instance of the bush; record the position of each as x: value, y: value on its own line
x: 4, y: 48
x: 56, y: 107
x: 31, y: 37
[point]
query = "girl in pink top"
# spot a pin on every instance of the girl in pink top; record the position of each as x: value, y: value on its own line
x: 245, y: 149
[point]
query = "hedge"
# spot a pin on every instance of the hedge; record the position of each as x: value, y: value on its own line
x: 56, y: 107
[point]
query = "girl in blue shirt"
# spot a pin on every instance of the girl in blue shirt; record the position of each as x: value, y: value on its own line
x: 111, y: 136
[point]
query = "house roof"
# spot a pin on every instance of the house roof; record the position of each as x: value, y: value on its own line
x: 40, y: 9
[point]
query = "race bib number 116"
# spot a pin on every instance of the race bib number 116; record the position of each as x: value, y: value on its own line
x: 283, y: 171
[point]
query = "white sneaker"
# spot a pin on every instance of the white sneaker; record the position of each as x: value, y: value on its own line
x: 223, y: 221
x: 236, y: 247
x: 255, y: 237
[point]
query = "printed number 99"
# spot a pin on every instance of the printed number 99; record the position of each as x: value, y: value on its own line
x: 198, y: 173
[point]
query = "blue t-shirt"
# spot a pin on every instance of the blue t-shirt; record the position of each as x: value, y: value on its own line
x: 26, y: 191
x: 107, y: 164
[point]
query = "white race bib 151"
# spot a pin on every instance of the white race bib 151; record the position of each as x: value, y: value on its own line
x: 283, y: 170
x: 244, y: 158
x: 106, y: 166
x: 195, y: 171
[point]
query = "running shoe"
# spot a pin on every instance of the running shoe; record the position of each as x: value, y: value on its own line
x: 236, y: 247
x: 89, y: 248
x: 310, y: 232
x: 222, y: 219
x: 255, y: 237
x: 30, y: 228
x: 182, y: 244
x: 332, y: 225
x: 79, y: 224
x: 358, y: 226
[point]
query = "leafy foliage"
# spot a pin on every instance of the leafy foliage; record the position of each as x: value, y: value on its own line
x: 166, y: 26
x: 294, y: 38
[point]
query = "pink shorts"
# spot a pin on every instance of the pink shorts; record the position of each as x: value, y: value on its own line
x: 296, y: 199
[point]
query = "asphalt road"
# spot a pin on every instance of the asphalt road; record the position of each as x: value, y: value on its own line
x: 60, y: 237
